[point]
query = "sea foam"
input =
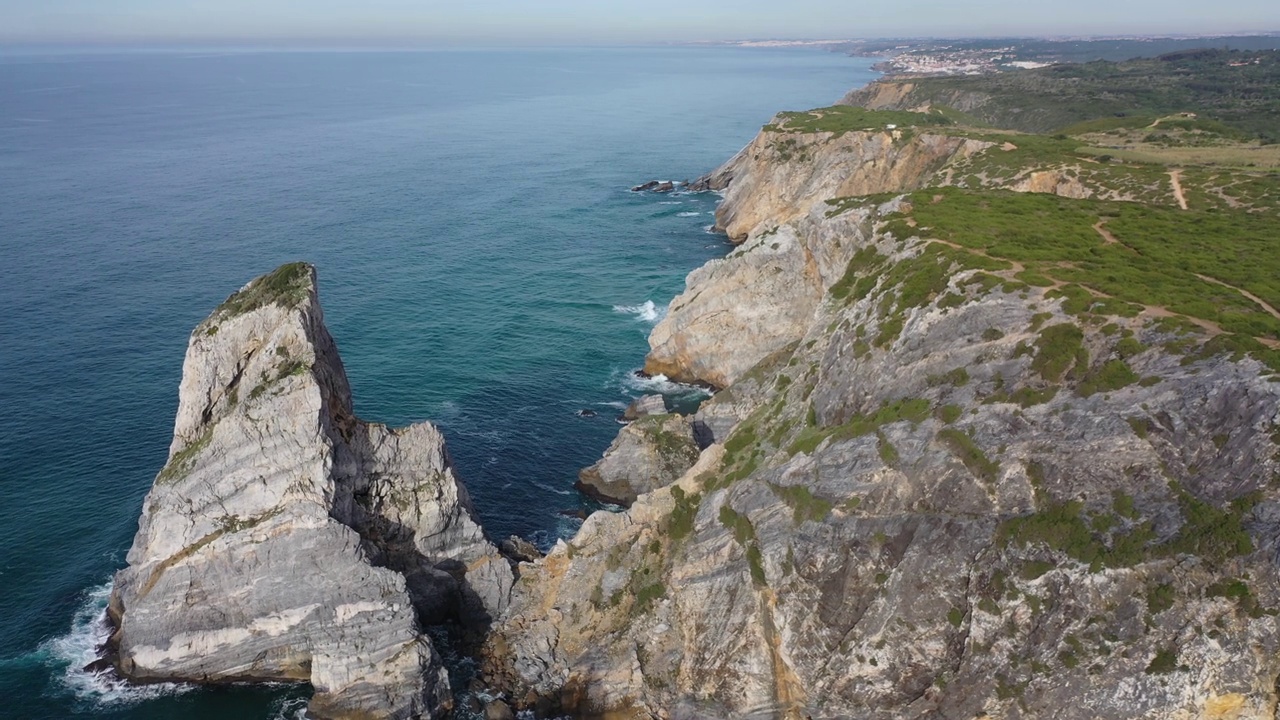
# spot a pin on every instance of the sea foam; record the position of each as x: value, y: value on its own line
x: 79, y: 647
x: 646, y: 311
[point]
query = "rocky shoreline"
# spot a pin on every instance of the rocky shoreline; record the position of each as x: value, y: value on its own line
x: 906, y: 508
x: 922, y: 488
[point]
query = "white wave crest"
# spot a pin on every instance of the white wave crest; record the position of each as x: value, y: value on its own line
x: 646, y: 311
x: 547, y: 488
x: 79, y: 647
x: 688, y: 214
x: 661, y: 385
x: 292, y: 709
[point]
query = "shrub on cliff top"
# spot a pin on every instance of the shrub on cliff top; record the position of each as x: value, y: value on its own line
x: 841, y: 119
x: 287, y: 285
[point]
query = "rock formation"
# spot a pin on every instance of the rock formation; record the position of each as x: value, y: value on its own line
x: 924, y: 499
x: 285, y: 539
x: 650, y: 453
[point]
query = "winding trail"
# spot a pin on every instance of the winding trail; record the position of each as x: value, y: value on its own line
x: 1107, y: 237
x: 1261, y: 303
x: 1212, y: 328
x: 1175, y: 177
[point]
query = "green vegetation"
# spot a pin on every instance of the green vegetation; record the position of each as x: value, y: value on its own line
x: 1160, y: 598
x: 1034, y: 569
x: 970, y: 454
x: 1058, y: 348
x: 1236, y: 89
x: 1030, y: 397
x: 842, y: 205
x: 288, y: 367
x: 1160, y: 258
x: 647, y: 596
x: 804, y: 504
x: 956, y: 617
x: 1210, y: 533
x: 1111, y: 375
x: 888, y: 453
x: 676, y: 450
x: 914, y: 410
x: 1141, y: 426
x: 1165, y: 661
x: 745, y: 535
x: 287, y: 286
x: 949, y: 413
x: 956, y: 378
x: 184, y: 460
x: 841, y: 119
x: 684, y: 513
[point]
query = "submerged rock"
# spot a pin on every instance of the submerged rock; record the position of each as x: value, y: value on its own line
x: 285, y: 539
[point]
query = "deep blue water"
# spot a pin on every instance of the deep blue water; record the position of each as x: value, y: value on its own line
x: 478, y: 253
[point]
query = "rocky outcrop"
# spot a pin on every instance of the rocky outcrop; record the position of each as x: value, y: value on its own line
x: 737, y: 311
x: 781, y: 175
x: 922, y: 502
x: 907, y: 94
x: 643, y: 406
x: 286, y: 540
x: 650, y: 453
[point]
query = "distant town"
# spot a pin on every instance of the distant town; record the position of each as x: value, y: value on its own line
x: 932, y: 56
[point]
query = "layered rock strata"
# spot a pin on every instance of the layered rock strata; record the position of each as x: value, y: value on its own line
x: 287, y: 540
x: 921, y: 503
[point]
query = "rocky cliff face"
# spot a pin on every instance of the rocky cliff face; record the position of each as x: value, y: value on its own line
x: 737, y: 311
x: 285, y: 539
x: 895, y: 94
x: 935, y: 492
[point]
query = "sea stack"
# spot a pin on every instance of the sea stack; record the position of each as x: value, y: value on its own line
x: 286, y: 540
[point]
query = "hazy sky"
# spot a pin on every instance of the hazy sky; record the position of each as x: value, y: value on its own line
x: 453, y: 22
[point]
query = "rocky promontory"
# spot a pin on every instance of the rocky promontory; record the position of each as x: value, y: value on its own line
x: 286, y: 540
x: 982, y: 448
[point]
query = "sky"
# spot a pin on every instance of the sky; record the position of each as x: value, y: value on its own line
x: 533, y: 22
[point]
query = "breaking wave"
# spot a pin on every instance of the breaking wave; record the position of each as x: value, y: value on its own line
x: 79, y: 647
x: 646, y: 311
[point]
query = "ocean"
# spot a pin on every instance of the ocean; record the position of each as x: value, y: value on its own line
x: 482, y: 265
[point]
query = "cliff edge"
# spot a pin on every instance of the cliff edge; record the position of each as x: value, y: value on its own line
x: 994, y: 438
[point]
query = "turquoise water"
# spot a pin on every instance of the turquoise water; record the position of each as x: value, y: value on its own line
x: 482, y: 265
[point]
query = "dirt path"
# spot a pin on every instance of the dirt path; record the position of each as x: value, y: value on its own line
x: 1261, y: 303
x: 1213, y: 329
x: 1016, y: 268
x: 1107, y: 237
x: 1175, y: 177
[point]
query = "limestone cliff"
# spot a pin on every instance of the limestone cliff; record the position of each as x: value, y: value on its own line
x: 787, y: 196
x: 936, y: 491
x: 285, y: 539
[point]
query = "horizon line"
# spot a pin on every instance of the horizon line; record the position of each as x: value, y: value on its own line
x: 334, y: 43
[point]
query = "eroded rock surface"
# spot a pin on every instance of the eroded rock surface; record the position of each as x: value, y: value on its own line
x: 285, y: 539
x: 650, y: 453
x: 924, y: 501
